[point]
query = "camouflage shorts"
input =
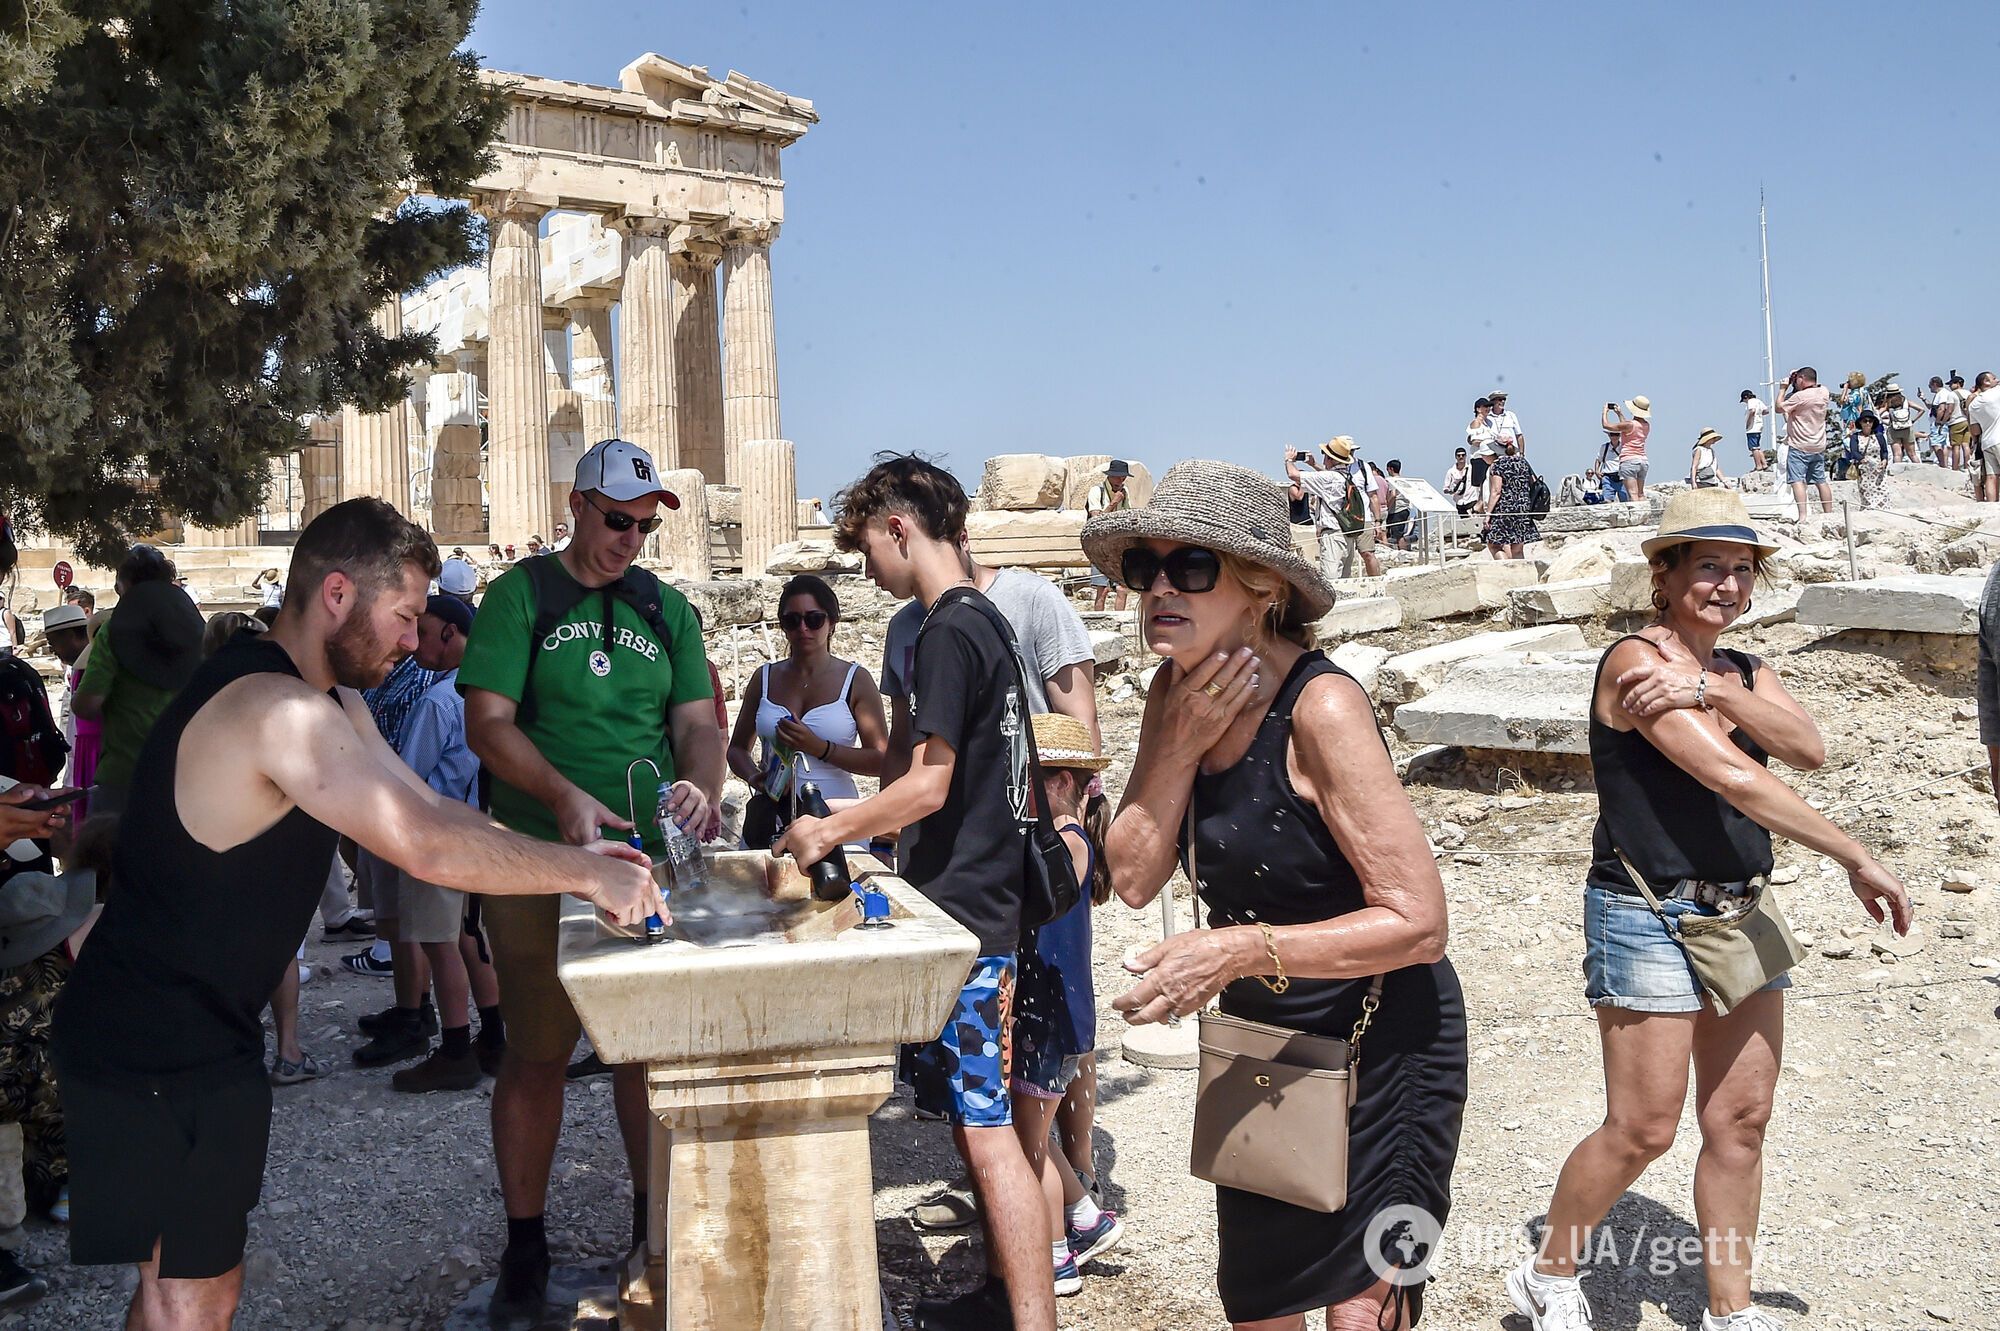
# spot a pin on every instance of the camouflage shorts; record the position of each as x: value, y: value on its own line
x: 962, y: 1075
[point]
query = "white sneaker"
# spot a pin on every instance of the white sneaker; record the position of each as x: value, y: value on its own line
x: 1748, y: 1319
x: 1550, y: 1303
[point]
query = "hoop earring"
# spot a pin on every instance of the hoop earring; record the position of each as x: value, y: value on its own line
x: 1659, y: 599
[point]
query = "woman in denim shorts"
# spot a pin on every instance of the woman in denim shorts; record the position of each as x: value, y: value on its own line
x: 1681, y: 733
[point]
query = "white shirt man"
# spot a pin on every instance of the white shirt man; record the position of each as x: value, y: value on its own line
x: 1506, y: 425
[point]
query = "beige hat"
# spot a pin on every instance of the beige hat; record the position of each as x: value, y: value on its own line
x: 1340, y: 448
x: 1641, y: 407
x: 1710, y: 436
x: 1064, y: 741
x: 1706, y: 515
x: 1219, y: 506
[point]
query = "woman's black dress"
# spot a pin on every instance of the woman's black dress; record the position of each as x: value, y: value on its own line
x: 1265, y: 855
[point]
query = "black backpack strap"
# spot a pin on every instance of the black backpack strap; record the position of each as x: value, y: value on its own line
x: 976, y: 600
x: 555, y: 593
x: 641, y: 590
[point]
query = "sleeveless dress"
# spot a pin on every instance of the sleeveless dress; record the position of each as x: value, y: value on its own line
x: 1265, y: 854
x: 832, y: 721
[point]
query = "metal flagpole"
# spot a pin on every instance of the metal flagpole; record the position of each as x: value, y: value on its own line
x: 1770, y: 356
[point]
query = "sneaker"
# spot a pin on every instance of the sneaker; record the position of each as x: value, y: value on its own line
x: 590, y: 1065
x: 1069, y: 1280
x: 523, y: 1283
x: 364, y: 963
x: 393, y: 1046
x: 284, y: 1072
x: 488, y: 1048
x: 1550, y: 1303
x: 1099, y: 1239
x: 19, y: 1286
x: 981, y: 1308
x: 1747, y: 1319
x: 439, y: 1072
x: 374, y: 1023
x: 954, y: 1206
x: 353, y: 927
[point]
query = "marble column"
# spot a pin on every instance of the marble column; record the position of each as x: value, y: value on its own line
x: 319, y: 468
x: 457, y: 510
x: 591, y: 371
x: 770, y: 501
x: 698, y: 361
x: 517, y: 386
x: 375, y: 447
x: 566, y: 449
x: 749, y: 340
x: 555, y: 346
x: 646, y: 389
x: 683, y: 535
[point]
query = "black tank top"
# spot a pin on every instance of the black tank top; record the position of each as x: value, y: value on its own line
x: 172, y: 982
x: 1266, y: 855
x: 1671, y: 825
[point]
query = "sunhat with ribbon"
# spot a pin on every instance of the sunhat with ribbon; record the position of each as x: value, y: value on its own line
x: 1642, y: 407
x: 39, y: 910
x: 1710, y: 437
x: 1339, y: 449
x: 1064, y: 741
x: 1706, y: 515
x: 1221, y: 507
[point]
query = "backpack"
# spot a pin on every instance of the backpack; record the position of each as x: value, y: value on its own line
x: 1538, y: 495
x: 32, y: 748
x: 1352, y: 513
x: 555, y: 593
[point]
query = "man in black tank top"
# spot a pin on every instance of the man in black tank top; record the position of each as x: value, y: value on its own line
x: 158, y: 1036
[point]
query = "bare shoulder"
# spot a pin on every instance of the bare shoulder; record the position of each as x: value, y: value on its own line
x: 1333, y: 707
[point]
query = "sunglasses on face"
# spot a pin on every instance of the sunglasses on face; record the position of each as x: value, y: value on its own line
x: 1189, y: 568
x: 622, y: 522
x: 812, y: 619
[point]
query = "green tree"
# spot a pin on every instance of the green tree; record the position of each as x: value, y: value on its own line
x: 198, y: 216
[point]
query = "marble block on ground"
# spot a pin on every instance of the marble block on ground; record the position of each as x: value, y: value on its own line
x: 1910, y: 603
x: 1364, y: 614
x: 1506, y: 702
x: 1411, y: 675
x: 1463, y: 588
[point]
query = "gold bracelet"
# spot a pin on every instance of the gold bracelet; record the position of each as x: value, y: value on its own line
x: 1282, y: 983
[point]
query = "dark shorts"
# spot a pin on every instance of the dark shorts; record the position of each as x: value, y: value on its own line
x: 962, y: 1075
x: 181, y: 1165
x: 520, y: 931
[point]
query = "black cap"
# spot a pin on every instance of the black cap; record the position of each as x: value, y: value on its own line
x: 1117, y: 468
x: 451, y: 610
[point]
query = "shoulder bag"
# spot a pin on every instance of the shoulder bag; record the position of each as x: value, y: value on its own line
x: 1271, y: 1106
x: 1736, y: 953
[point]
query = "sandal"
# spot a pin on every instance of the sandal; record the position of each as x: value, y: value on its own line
x: 284, y: 1072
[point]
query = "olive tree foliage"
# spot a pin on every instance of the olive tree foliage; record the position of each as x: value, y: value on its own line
x: 198, y: 217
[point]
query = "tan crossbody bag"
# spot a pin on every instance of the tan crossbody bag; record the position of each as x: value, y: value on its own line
x: 1271, y: 1107
x: 1736, y: 953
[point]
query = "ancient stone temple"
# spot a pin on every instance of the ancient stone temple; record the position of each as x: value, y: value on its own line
x: 627, y: 291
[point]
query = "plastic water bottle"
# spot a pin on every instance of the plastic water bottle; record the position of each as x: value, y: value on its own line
x: 684, y: 860
x: 831, y: 880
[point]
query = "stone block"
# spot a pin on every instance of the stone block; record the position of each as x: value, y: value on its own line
x: 725, y: 504
x: 1411, y: 675
x: 1107, y: 648
x: 725, y: 603
x: 1361, y: 661
x: 1552, y: 602
x: 811, y: 556
x: 1631, y: 587
x: 1086, y: 470
x: 1506, y: 702
x: 1599, y: 517
x: 1464, y: 588
x: 1581, y: 559
x: 1367, y: 614
x: 1771, y: 605
x: 1046, y: 539
x: 1912, y: 603
x: 1016, y: 481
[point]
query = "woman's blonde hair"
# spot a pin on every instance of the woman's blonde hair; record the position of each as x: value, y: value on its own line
x: 1857, y: 379
x: 1271, y: 593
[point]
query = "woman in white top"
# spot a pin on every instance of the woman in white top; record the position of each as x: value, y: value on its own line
x: 820, y: 718
x: 1704, y: 472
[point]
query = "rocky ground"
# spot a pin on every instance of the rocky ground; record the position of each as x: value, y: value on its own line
x: 381, y: 1210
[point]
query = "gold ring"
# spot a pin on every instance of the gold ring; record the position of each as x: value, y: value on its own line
x: 1212, y: 689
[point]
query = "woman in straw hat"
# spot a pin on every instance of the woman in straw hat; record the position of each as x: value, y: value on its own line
x: 1680, y: 735
x: 1631, y: 425
x: 1704, y: 471
x: 1262, y: 762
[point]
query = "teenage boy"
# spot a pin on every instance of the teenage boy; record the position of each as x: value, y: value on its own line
x: 965, y: 804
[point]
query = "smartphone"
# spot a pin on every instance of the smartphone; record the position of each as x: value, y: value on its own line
x: 55, y: 800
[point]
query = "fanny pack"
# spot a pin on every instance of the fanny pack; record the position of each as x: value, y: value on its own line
x: 1736, y: 953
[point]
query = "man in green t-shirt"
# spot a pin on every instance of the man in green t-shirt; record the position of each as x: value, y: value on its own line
x: 138, y: 662
x: 557, y: 718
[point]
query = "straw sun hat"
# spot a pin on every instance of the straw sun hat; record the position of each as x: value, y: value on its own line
x: 1222, y: 507
x: 1706, y: 515
x: 1339, y: 449
x: 1642, y: 407
x: 1064, y: 741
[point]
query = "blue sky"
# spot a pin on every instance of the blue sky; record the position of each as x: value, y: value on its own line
x: 1165, y: 231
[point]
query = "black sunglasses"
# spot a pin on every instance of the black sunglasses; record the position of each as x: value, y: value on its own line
x: 1189, y: 568
x: 812, y: 619
x: 625, y: 521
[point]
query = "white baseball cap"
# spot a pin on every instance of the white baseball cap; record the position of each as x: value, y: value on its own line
x: 622, y: 471
x: 458, y: 577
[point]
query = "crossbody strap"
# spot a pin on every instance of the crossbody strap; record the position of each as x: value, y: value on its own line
x: 971, y: 596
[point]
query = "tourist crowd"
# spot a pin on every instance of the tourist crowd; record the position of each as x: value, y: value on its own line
x: 482, y: 770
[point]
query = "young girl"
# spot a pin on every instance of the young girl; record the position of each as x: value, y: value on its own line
x: 1055, y: 1006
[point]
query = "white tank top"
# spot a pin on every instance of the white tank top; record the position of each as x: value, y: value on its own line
x: 831, y: 721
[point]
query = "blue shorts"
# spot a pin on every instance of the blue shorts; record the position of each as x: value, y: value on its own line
x: 1630, y: 958
x: 1807, y: 467
x: 962, y: 1074
x: 1756, y: 440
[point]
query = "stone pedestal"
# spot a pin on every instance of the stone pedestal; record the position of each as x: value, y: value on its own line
x: 749, y: 340
x: 375, y: 447
x: 770, y: 500
x: 647, y: 392
x: 517, y: 403
x: 698, y: 361
x: 683, y: 536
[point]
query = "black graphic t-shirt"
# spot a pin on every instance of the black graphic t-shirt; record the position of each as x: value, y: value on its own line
x: 967, y: 857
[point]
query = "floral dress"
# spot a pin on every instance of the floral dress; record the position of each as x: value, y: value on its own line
x: 1510, y: 523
